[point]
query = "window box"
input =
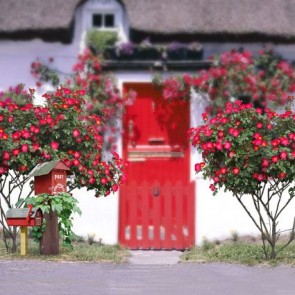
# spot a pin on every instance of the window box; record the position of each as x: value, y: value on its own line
x: 130, y: 51
x: 111, y: 53
x: 150, y: 53
x: 177, y: 54
x: 194, y: 54
x: 126, y: 51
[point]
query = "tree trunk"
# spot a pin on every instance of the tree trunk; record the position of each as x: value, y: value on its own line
x: 14, y: 245
x: 13, y: 238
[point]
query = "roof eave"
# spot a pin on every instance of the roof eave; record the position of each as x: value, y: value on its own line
x: 63, y: 35
x: 223, y: 37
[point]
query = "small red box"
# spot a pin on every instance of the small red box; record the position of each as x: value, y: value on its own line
x: 24, y: 217
x: 51, y: 177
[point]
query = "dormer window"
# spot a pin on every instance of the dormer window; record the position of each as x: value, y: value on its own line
x: 105, y: 15
x: 101, y: 21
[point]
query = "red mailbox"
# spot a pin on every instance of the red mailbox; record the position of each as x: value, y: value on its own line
x: 51, y: 177
x: 24, y: 216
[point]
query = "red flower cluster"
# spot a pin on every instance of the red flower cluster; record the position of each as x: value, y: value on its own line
x: 240, y: 157
x: 61, y: 129
x: 102, y: 96
x: 261, y: 80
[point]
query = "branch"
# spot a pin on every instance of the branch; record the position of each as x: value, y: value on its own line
x: 265, y: 206
x: 5, y: 227
x: 266, y: 233
x: 248, y: 212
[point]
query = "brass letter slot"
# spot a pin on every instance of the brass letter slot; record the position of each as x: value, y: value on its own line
x: 144, y: 152
x: 156, y: 140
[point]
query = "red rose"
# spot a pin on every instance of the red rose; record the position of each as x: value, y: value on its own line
x: 259, y: 125
x: 54, y: 145
x: 24, y: 148
x: 275, y: 159
x: 76, y: 133
x: 265, y: 162
x: 283, y: 155
x: 103, y: 180
x: 6, y: 155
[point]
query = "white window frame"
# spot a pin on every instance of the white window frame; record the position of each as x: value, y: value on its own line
x: 91, y: 7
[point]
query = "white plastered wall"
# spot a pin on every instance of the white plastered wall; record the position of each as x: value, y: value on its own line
x: 216, y: 217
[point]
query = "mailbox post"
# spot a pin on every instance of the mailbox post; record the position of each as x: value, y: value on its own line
x: 24, y: 217
x: 50, y: 178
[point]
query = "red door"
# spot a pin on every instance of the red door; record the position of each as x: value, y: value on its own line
x: 157, y: 201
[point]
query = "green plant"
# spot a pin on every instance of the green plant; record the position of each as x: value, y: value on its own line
x: 207, y: 245
x: 234, y: 236
x: 65, y: 205
x: 81, y: 251
x: 91, y: 238
x: 100, y: 40
x: 235, y: 252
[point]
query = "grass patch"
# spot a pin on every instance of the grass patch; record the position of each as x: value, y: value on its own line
x: 237, y: 252
x: 82, y: 251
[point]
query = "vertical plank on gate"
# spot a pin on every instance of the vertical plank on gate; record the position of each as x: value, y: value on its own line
x: 162, y: 218
x: 178, y: 190
x: 138, y: 215
x: 167, y: 243
x: 145, y: 243
x: 157, y: 214
x: 173, y: 218
x: 191, y: 214
x: 185, y: 204
x: 132, y: 197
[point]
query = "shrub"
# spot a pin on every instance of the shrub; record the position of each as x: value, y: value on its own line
x: 252, y: 154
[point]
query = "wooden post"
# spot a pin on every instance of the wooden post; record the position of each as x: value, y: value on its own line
x: 49, y: 244
x: 23, y: 240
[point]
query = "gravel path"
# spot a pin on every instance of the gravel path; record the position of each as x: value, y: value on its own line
x: 22, y: 277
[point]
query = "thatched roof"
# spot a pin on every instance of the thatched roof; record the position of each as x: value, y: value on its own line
x: 270, y: 19
x: 48, y: 19
x: 213, y: 16
x: 18, y: 15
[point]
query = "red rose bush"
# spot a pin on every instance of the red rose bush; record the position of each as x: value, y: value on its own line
x: 61, y: 129
x: 265, y: 79
x: 251, y: 153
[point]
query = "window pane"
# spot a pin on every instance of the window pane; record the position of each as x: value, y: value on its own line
x: 109, y: 21
x: 97, y: 20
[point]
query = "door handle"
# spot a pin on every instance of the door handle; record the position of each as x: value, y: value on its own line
x: 156, y: 191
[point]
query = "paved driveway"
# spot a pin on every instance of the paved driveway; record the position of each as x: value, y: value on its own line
x: 24, y: 277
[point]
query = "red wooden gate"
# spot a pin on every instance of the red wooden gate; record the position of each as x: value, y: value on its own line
x: 157, y: 201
